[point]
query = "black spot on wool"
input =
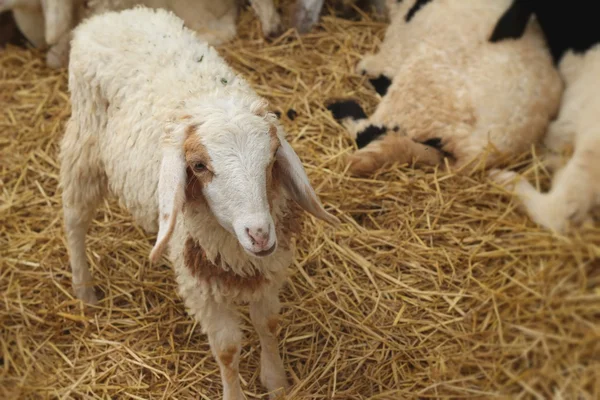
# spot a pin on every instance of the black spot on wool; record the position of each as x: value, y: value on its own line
x: 416, y: 7
x: 567, y: 25
x: 513, y: 23
x: 369, y: 134
x: 381, y: 84
x: 437, y: 144
x: 346, y: 109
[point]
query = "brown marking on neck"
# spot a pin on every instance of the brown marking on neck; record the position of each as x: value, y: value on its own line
x: 203, y: 269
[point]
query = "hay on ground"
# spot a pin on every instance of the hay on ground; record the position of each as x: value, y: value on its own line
x: 433, y: 287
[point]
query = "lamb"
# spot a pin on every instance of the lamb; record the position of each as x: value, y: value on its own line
x: 566, y: 25
x: 451, y: 93
x: 575, y: 190
x: 48, y: 23
x: 194, y: 154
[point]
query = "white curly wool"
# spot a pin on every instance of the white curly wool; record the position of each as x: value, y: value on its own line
x: 576, y: 186
x: 160, y: 120
x: 450, y: 85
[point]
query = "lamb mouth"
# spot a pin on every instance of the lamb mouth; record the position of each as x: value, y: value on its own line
x: 265, y: 253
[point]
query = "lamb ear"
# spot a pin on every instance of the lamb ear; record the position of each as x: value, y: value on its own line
x: 58, y: 17
x: 294, y: 179
x: 171, y: 196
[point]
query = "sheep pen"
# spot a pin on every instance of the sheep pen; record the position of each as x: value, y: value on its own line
x: 434, y: 285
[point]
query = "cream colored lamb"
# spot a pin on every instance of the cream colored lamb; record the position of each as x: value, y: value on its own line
x: 160, y: 120
x: 452, y: 93
x: 48, y: 23
x: 576, y: 186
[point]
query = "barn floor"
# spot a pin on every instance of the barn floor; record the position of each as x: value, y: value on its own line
x: 433, y: 287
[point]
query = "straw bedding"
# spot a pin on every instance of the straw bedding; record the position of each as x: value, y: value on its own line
x: 433, y: 287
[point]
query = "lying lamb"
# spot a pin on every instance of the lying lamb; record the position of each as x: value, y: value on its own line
x: 576, y: 49
x: 452, y: 93
x: 161, y: 121
x: 48, y: 23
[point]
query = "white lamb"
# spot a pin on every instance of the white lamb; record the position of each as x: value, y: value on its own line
x: 451, y: 92
x: 48, y: 23
x: 161, y: 121
x: 576, y: 186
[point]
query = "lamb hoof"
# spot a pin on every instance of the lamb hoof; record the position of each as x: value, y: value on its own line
x: 274, y: 28
x: 274, y: 34
x: 373, y: 66
x: 86, y: 294
x: 56, y: 61
x: 363, y: 163
x: 276, y: 384
x: 304, y: 19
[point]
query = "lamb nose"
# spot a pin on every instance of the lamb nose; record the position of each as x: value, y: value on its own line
x: 259, y: 236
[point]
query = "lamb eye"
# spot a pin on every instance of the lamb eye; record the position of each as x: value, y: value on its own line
x: 199, y: 167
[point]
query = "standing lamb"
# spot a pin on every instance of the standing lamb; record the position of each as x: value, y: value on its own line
x: 48, y: 23
x: 451, y: 92
x: 161, y: 121
x: 572, y: 33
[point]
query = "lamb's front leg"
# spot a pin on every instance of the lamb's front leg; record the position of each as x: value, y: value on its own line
x: 265, y: 315
x: 268, y: 16
x: 221, y: 323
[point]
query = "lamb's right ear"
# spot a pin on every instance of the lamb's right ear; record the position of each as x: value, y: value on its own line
x: 171, y: 196
x: 58, y: 17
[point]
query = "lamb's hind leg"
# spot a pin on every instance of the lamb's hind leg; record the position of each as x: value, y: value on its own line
x: 264, y: 315
x: 83, y: 189
x: 570, y: 198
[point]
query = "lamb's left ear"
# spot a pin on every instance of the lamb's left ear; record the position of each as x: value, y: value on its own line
x: 294, y: 179
x: 171, y: 196
x: 58, y: 17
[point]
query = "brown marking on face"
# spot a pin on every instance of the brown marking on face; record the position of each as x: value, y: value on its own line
x: 203, y: 269
x: 165, y: 217
x: 193, y: 188
x: 195, y: 152
x: 272, y: 325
